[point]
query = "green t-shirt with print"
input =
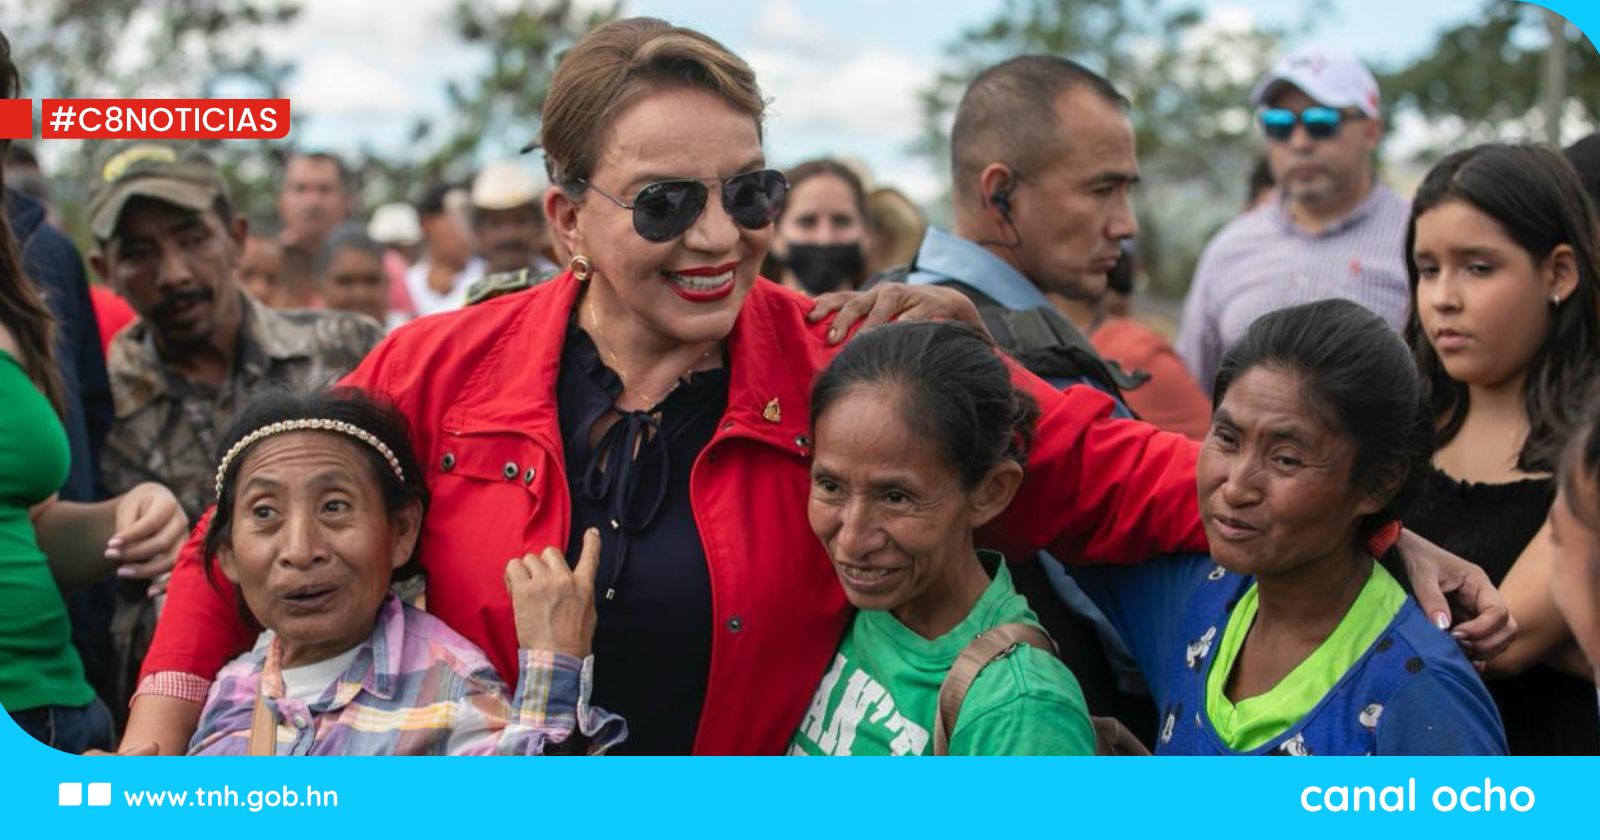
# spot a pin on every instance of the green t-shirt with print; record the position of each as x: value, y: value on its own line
x: 881, y: 692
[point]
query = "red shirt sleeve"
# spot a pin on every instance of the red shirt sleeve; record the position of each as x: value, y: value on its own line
x: 201, y: 626
x: 1099, y: 489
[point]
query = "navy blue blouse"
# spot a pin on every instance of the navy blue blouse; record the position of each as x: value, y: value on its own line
x: 652, y: 645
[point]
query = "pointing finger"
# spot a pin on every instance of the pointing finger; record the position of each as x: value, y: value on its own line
x: 589, y: 559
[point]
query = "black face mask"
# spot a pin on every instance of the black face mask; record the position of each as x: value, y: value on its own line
x: 824, y: 268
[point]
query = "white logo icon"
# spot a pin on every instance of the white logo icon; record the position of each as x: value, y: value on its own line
x: 70, y: 794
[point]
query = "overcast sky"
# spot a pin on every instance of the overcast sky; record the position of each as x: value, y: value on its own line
x: 842, y: 74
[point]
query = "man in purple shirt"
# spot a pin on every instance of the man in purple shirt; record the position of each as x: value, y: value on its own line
x: 1332, y: 230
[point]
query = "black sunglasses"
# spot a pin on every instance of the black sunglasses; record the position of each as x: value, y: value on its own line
x: 665, y: 209
x: 1321, y: 123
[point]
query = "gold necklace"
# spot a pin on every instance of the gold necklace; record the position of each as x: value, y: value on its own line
x: 605, y: 344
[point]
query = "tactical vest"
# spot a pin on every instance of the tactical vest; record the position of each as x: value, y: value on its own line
x: 1041, y: 339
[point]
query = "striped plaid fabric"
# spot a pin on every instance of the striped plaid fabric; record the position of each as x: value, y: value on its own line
x: 1261, y: 263
x: 415, y: 687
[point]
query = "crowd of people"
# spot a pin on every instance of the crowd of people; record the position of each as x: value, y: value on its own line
x: 666, y: 451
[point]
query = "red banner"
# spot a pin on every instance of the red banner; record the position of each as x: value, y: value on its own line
x: 164, y: 119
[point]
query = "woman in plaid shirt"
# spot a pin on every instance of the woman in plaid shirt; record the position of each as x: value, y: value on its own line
x: 320, y: 500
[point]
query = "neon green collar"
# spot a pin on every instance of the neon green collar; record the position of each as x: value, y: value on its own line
x: 1254, y: 721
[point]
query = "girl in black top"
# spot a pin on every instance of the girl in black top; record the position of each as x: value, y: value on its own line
x: 1502, y: 257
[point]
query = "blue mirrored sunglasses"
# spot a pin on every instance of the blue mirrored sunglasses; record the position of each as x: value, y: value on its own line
x: 1321, y: 123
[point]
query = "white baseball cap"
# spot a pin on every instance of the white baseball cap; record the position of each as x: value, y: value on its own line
x: 1333, y: 78
x: 505, y: 184
x: 395, y: 224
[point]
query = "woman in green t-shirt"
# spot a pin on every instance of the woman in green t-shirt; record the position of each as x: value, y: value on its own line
x: 920, y: 438
x: 45, y: 544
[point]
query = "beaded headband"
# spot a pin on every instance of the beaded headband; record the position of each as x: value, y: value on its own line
x: 317, y: 425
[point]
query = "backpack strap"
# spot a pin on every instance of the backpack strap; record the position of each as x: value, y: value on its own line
x: 993, y: 644
x: 263, y: 728
x: 1041, y: 339
x: 1110, y: 736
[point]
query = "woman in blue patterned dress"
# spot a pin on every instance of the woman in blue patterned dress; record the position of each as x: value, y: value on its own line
x: 1290, y: 638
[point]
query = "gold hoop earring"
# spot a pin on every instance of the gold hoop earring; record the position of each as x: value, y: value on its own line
x: 580, y: 267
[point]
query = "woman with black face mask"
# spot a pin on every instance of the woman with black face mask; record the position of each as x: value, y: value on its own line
x: 818, y: 248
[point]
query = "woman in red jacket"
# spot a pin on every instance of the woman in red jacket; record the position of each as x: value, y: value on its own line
x: 659, y: 391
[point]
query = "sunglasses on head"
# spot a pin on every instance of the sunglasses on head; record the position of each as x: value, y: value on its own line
x: 1321, y: 123
x: 665, y: 209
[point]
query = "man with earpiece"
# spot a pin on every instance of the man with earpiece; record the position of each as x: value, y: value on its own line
x: 1042, y: 161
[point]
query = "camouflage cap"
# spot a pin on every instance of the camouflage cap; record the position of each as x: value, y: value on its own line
x: 182, y: 176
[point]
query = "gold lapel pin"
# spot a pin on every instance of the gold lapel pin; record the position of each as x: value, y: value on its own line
x: 772, y: 414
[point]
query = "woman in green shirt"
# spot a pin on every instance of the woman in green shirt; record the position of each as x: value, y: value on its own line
x: 46, y: 544
x: 920, y: 438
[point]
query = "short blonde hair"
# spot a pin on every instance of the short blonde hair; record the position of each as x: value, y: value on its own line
x: 612, y: 67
